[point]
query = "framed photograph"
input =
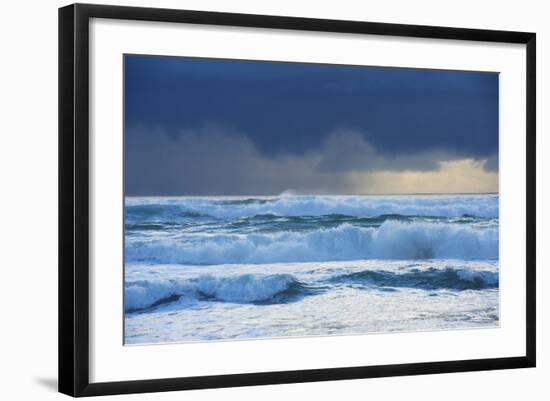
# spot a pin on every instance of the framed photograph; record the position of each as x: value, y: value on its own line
x: 250, y: 199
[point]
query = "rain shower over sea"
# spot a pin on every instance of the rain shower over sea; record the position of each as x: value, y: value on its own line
x: 221, y: 268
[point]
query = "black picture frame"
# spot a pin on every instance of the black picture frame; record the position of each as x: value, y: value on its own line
x: 74, y: 199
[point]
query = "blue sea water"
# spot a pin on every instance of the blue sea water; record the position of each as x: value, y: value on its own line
x: 214, y: 268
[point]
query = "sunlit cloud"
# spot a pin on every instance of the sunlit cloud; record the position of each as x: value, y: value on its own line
x: 456, y: 176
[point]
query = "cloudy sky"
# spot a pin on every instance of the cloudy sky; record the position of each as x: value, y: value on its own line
x: 226, y: 127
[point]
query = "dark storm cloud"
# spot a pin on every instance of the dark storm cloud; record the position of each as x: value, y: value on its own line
x: 349, y: 151
x: 212, y: 162
x: 304, y: 125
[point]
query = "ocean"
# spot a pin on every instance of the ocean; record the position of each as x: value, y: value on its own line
x: 223, y: 268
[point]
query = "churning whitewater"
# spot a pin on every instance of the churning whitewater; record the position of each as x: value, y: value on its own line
x: 214, y: 268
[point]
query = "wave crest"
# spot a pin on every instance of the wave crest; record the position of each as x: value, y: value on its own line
x: 430, y: 279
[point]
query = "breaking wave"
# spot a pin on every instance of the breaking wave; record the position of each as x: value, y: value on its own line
x: 392, y: 240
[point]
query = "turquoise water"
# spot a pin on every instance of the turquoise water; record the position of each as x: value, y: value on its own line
x: 216, y: 268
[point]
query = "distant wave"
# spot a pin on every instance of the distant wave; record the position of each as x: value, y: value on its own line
x: 271, y: 223
x: 441, y: 205
x: 282, y: 288
x: 392, y: 240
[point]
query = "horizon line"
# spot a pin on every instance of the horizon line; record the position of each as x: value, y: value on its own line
x: 312, y: 194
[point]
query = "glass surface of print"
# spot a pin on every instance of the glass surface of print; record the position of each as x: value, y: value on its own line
x: 269, y: 199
